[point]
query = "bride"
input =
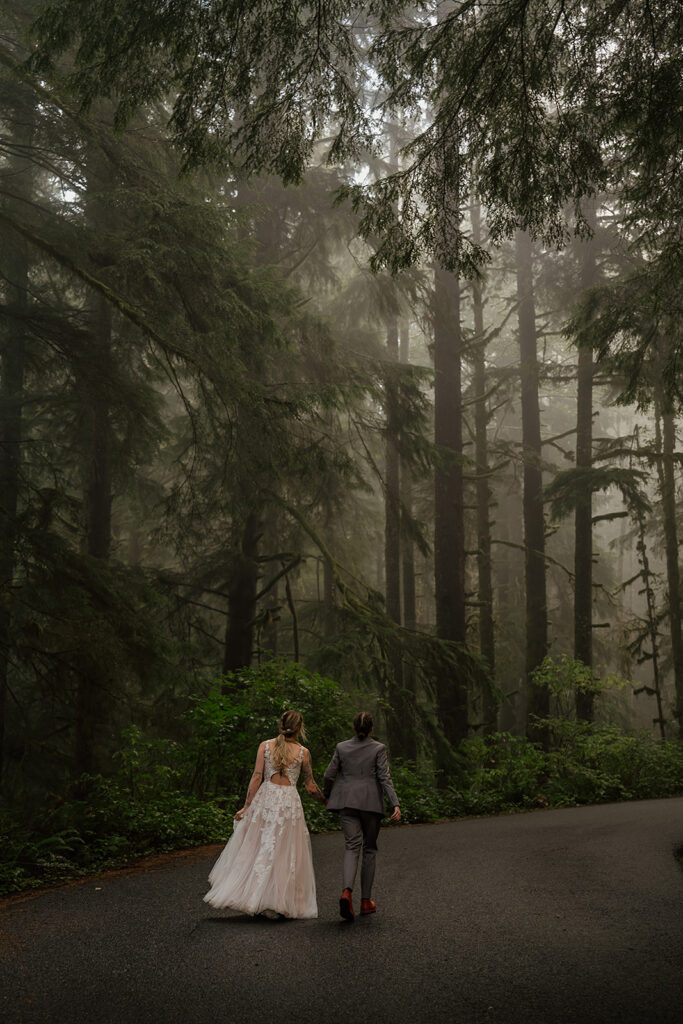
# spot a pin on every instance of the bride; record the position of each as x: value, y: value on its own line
x: 267, y: 864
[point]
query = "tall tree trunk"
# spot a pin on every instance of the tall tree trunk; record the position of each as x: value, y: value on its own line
x: 97, y: 498
x: 507, y: 603
x: 399, y: 719
x: 407, y: 546
x: 409, y: 747
x: 16, y: 269
x: 668, y: 494
x: 651, y: 620
x: 449, y: 524
x: 329, y: 590
x: 392, y: 497
x: 267, y: 637
x: 98, y: 461
x: 398, y: 728
x: 242, y: 589
x: 583, y: 517
x: 92, y: 372
x: 270, y: 630
x: 12, y: 366
x: 295, y: 619
x: 487, y: 646
x: 538, y: 703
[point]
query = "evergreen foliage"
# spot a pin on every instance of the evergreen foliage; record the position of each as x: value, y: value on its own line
x: 525, y: 95
x: 388, y: 419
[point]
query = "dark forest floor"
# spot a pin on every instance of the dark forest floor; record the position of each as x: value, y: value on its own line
x: 561, y: 917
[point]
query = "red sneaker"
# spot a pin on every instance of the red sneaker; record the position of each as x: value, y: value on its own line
x: 346, y: 905
x: 368, y: 906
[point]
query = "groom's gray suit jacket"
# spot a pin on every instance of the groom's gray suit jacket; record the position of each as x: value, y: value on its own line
x: 357, y: 776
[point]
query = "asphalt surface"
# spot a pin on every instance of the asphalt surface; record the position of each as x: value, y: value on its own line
x: 556, y: 916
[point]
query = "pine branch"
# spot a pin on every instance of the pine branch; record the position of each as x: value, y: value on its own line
x: 93, y: 282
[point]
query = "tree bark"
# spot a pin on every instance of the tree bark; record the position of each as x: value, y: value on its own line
x: 583, y: 517
x: 538, y: 703
x: 392, y: 497
x: 329, y: 590
x: 267, y: 636
x: 270, y: 631
x: 651, y: 621
x: 12, y: 371
x: 487, y: 645
x: 98, y: 460
x: 97, y: 498
x: 668, y: 494
x: 92, y: 372
x: 242, y: 589
x: 295, y: 619
x: 398, y: 728
x: 12, y: 368
x: 407, y: 546
x: 449, y: 526
x: 409, y: 745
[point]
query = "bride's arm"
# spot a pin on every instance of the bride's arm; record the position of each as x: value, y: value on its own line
x: 310, y: 783
x: 256, y: 780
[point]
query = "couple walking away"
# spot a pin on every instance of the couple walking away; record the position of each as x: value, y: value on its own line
x: 267, y: 864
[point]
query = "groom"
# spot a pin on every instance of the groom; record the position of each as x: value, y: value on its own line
x: 353, y: 782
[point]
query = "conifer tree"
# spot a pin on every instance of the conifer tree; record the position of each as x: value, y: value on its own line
x: 483, y: 492
x: 15, y: 269
x: 408, y: 589
x: 583, y: 515
x: 534, y: 519
x: 449, y: 525
x: 666, y: 455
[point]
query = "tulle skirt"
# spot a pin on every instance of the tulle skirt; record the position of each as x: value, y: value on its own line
x: 267, y: 863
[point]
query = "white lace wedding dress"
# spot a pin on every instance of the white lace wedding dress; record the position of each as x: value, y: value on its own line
x: 267, y: 863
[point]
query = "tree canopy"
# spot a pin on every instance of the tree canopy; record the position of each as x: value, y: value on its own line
x: 536, y: 102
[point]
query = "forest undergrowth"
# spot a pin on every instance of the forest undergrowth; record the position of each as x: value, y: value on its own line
x: 171, y: 793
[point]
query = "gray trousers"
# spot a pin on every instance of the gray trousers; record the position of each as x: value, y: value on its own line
x: 361, y: 829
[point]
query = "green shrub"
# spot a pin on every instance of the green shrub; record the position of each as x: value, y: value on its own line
x: 501, y: 772
x: 586, y: 764
x: 110, y: 830
x: 228, y: 727
x: 590, y: 764
x: 417, y: 791
x: 168, y: 795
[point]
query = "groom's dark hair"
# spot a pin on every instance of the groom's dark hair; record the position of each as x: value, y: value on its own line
x: 363, y: 723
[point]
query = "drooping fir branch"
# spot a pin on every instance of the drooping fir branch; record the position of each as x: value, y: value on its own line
x: 111, y: 295
x: 564, y: 491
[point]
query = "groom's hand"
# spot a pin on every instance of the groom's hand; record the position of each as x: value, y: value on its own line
x: 396, y: 816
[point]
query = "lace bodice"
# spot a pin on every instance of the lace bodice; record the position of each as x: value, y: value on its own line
x: 291, y: 771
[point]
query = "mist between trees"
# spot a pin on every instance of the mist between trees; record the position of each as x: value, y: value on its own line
x: 337, y: 343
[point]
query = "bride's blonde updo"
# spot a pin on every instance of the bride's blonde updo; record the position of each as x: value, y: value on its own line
x: 291, y: 726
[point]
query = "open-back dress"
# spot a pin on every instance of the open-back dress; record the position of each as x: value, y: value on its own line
x: 267, y: 863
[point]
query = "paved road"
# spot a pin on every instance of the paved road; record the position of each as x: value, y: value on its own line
x: 560, y: 917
